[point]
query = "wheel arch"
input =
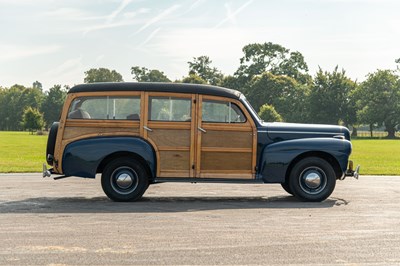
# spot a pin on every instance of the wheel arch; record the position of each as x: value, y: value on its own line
x: 320, y: 154
x: 86, y: 157
x: 278, y: 159
x: 123, y: 154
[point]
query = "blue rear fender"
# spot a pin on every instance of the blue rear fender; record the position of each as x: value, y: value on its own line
x: 277, y: 159
x: 85, y: 157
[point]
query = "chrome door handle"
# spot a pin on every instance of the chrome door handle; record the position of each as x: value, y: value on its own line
x: 147, y: 128
x: 202, y: 130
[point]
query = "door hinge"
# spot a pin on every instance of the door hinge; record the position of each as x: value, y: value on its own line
x: 194, y: 101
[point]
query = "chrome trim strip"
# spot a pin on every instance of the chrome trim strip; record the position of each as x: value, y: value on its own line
x: 303, y: 132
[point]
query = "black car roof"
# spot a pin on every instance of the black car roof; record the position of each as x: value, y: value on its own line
x: 156, y: 87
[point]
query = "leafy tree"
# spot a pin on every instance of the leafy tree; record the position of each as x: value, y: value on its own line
x: 32, y: 119
x: 148, y: 75
x: 193, y: 78
x: 269, y: 114
x: 102, y: 75
x: 295, y: 67
x: 330, y: 100
x: 37, y: 85
x: 231, y: 82
x: 201, y: 66
x: 379, y: 101
x: 14, y: 101
x: 12, y: 107
x: 32, y: 97
x: 52, y: 104
x: 286, y: 95
x: 270, y: 57
x: 2, y: 107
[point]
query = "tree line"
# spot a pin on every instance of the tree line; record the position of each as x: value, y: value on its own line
x: 275, y: 80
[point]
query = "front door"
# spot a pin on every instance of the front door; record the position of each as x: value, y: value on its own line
x: 226, y: 139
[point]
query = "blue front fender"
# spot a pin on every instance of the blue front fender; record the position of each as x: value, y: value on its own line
x: 276, y: 158
x: 83, y: 157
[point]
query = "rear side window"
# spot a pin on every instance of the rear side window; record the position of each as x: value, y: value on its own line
x: 170, y: 109
x: 105, y: 108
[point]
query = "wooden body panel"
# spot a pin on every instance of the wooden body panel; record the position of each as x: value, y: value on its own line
x: 82, y: 131
x: 222, y: 160
x: 227, y: 138
x: 174, y: 150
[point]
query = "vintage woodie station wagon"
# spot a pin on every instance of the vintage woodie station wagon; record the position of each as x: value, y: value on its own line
x: 137, y: 134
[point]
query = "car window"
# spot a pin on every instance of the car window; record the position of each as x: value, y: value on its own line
x: 221, y: 112
x: 115, y: 108
x: 170, y: 109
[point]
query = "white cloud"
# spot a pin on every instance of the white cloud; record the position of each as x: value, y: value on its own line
x: 196, y: 4
x: 129, y: 15
x: 128, y: 18
x: 69, y: 72
x: 14, y: 52
x: 25, y: 2
x: 65, y: 13
x: 66, y: 66
x: 116, y: 12
x: 108, y: 26
x: 99, y: 58
x: 149, y: 38
x: 159, y: 17
x: 186, y: 43
x: 223, y: 46
x: 231, y: 16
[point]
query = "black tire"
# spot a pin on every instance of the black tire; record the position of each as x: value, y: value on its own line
x: 286, y: 187
x: 51, y: 142
x: 312, y: 179
x: 124, y: 179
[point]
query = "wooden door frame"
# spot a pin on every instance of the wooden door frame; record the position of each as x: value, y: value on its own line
x: 170, y: 125
x: 248, y: 126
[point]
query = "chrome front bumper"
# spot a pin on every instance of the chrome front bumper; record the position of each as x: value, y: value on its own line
x: 351, y: 172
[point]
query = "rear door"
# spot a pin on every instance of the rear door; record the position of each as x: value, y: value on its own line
x: 170, y: 127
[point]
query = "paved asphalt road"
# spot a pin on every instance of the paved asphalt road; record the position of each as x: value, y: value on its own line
x: 70, y: 221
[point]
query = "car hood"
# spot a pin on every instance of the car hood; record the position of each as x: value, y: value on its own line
x: 287, y: 131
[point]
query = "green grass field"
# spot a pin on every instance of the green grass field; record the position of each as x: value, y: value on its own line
x: 377, y: 156
x: 22, y: 152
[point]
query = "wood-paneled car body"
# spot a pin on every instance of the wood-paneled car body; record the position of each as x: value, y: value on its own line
x: 136, y: 134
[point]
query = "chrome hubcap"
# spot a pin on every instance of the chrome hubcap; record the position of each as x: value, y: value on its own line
x: 124, y: 180
x: 313, y: 180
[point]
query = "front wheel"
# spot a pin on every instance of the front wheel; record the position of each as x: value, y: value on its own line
x: 124, y: 179
x: 286, y: 187
x: 312, y: 179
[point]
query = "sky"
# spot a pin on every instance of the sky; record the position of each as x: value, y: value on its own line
x: 56, y: 41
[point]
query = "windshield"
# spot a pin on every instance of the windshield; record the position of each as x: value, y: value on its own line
x: 250, y: 108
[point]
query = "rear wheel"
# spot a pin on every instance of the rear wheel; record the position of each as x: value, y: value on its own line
x: 124, y: 179
x: 312, y: 179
